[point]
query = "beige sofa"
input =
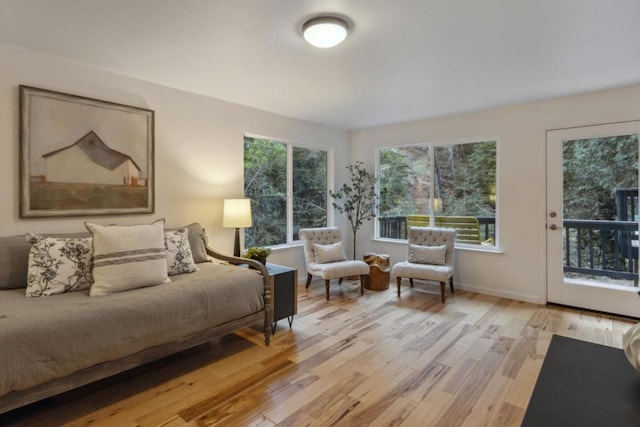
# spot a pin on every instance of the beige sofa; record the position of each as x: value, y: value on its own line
x: 53, y: 344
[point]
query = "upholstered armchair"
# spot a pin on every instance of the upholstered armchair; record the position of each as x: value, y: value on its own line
x: 431, y: 257
x: 325, y: 257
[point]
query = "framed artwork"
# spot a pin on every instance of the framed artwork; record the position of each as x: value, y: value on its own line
x: 82, y: 156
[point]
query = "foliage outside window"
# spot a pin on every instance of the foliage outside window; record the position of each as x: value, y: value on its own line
x: 597, y: 166
x: 287, y: 186
x: 437, y: 181
x: 600, y: 183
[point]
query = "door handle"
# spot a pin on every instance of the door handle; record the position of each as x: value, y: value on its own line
x: 553, y: 227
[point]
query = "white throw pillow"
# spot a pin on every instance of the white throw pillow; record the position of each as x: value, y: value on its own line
x: 127, y: 257
x: 179, y: 256
x: 328, y: 253
x: 427, y: 254
x: 58, y: 265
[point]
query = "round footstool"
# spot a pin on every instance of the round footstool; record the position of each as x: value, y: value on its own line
x: 631, y: 345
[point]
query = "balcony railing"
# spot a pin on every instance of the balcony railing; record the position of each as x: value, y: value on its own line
x: 601, y: 248
x: 395, y: 227
x: 598, y: 248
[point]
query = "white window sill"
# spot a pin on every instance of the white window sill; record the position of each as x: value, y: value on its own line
x: 458, y: 246
x: 285, y: 246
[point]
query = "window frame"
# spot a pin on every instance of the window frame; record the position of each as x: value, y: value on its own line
x: 432, y: 145
x: 289, y: 180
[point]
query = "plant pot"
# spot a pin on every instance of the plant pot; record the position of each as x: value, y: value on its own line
x: 261, y: 259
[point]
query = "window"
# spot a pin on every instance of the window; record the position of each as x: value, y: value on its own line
x: 435, y: 184
x: 287, y: 185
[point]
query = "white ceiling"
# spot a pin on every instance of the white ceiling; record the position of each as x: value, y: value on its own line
x: 404, y: 59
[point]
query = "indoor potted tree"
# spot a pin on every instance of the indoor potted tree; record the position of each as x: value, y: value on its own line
x: 357, y: 199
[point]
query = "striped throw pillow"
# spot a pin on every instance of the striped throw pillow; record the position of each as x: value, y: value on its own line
x: 127, y: 257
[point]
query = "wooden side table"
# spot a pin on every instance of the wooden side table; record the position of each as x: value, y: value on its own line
x: 284, y: 293
x: 378, y: 277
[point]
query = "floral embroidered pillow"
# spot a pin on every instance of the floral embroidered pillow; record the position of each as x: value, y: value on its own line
x: 179, y: 255
x: 427, y: 254
x: 58, y: 265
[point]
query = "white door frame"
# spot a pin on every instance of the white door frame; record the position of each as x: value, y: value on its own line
x: 613, y: 299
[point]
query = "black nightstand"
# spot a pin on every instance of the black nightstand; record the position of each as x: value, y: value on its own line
x: 284, y: 293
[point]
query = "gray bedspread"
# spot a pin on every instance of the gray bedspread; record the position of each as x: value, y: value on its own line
x: 51, y: 337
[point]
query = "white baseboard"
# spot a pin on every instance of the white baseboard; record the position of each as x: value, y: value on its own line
x: 533, y: 299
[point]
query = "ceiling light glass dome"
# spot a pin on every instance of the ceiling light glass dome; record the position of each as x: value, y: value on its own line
x: 325, y: 31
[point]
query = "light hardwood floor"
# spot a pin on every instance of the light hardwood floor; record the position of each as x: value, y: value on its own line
x: 352, y: 361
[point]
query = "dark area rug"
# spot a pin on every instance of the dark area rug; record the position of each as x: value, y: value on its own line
x: 584, y: 384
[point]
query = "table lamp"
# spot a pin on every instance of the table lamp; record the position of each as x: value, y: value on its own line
x: 236, y: 214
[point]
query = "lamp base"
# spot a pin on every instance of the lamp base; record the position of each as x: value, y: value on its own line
x: 236, y: 245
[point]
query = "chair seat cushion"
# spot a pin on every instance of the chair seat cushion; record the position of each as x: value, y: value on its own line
x: 439, y: 273
x: 338, y: 269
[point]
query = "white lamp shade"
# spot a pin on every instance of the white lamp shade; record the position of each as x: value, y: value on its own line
x: 236, y: 213
x: 325, y: 31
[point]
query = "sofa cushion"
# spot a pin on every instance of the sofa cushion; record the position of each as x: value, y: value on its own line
x: 197, y: 241
x: 179, y: 256
x: 46, y: 338
x: 328, y: 253
x: 427, y: 254
x: 127, y: 257
x: 14, y: 259
x: 14, y: 262
x: 58, y: 265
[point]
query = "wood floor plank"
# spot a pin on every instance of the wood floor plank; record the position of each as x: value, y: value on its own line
x: 522, y: 388
x: 473, y: 387
x: 230, y: 410
x: 489, y: 402
x: 395, y: 413
x: 260, y: 422
x: 429, y: 409
x: 239, y: 386
x: 457, y: 375
x: 334, y: 414
x: 508, y: 416
x: 353, y: 360
x: 316, y: 407
x: 375, y: 401
x: 175, y: 421
x: 422, y: 383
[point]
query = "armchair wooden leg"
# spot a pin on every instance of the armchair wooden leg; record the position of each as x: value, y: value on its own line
x: 362, y: 276
x: 326, y: 285
x: 340, y: 281
x: 308, y: 281
x: 451, y: 284
x: 411, y: 282
x: 399, y: 281
x: 442, y: 292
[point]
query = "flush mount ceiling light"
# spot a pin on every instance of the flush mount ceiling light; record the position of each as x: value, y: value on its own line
x: 325, y: 31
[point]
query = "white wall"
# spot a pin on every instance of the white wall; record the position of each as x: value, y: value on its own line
x: 519, y: 271
x: 199, y: 155
x: 198, y: 145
